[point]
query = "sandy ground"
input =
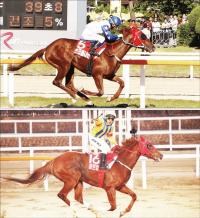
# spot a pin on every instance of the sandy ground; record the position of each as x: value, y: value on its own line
x: 173, y: 192
x: 160, y: 88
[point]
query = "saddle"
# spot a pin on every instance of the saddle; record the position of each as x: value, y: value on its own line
x: 94, y: 162
x: 84, y: 47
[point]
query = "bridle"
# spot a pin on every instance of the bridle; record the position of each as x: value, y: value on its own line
x: 132, y: 45
x: 136, y: 41
x: 144, y: 151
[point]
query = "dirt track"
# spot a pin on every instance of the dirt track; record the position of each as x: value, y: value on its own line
x: 173, y: 191
x: 158, y: 88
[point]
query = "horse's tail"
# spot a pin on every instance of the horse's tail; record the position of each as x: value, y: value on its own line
x: 28, y: 61
x: 38, y: 175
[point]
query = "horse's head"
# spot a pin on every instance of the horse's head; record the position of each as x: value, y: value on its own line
x: 143, y: 147
x: 136, y: 38
x: 147, y: 149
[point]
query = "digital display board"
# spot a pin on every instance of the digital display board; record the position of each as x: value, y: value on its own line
x: 33, y: 14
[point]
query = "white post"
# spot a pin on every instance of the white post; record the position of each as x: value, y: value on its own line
x: 5, y: 80
x: 191, y: 72
x: 144, y: 174
x: 142, y: 86
x: 120, y: 126
x: 170, y: 134
x: 20, y: 144
x: 46, y: 184
x: 11, y: 89
x: 85, y: 140
x: 126, y: 78
x: 128, y: 123
x: 197, y: 161
x: 31, y: 161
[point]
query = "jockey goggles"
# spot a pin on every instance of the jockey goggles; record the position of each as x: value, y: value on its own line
x: 112, y: 117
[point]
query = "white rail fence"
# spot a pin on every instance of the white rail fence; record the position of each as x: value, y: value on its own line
x: 187, y: 59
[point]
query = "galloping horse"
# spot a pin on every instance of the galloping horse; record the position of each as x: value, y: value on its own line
x: 60, y: 54
x: 72, y: 169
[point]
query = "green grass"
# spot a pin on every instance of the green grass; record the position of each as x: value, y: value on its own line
x: 34, y: 102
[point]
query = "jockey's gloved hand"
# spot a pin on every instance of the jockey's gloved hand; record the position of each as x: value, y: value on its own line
x: 107, y: 141
x: 120, y: 35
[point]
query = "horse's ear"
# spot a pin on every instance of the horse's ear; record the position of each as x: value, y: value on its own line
x: 133, y: 132
x: 122, y: 27
x: 133, y: 26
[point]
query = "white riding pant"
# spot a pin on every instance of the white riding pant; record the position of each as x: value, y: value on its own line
x: 100, y: 144
x: 90, y: 35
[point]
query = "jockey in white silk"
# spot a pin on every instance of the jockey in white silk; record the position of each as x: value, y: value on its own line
x: 100, y: 31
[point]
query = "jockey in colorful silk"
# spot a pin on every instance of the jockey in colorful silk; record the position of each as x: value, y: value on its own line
x: 102, y: 135
x: 100, y: 31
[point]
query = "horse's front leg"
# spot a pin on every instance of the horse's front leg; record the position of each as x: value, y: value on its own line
x: 98, y: 79
x: 121, y: 86
x: 111, y: 193
x: 70, y: 84
x: 124, y: 189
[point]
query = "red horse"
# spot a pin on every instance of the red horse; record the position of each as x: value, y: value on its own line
x: 72, y: 169
x: 60, y: 54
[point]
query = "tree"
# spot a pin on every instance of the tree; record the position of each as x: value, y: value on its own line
x: 132, y: 4
x: 167, y: 7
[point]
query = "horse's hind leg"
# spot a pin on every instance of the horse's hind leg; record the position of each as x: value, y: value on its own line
x: 69, y: 83
x: 69, y: 184
x: 78, y: 192
x: 59, y: 78
x: 63, y: 193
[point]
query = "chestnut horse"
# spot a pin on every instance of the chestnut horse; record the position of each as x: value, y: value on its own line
x: 60, y: 54
x: 72, y: 169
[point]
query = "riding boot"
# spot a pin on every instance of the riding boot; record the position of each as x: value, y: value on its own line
x: 103, y: 164
x: 93, y: 49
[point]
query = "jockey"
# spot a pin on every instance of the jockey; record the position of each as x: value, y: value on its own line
x: 101, y: 135
x: 99, y: 31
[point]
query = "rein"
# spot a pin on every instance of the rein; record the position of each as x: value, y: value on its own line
x: 132, y: 45
x: 126, y: 43
x: 124, y: 165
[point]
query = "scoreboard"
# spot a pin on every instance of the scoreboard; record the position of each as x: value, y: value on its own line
x: 34, y: 14
x: 32, y: 24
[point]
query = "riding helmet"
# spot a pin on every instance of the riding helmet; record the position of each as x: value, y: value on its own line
x: 115, y: 20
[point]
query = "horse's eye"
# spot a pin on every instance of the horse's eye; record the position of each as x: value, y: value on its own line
x: 143, y: 36
x: 149, y: 146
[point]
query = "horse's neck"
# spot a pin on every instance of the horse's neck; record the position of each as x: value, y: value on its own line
x: 129, y: 158
x: 120, y: 49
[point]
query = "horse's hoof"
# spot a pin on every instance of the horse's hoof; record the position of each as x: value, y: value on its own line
x: 121, y: 213
x: 90, y: 104
x: 74, y: 100
x: 108, y: 99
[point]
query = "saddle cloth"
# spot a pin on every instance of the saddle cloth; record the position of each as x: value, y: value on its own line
x: 83, y: 48
x: 94, y: 162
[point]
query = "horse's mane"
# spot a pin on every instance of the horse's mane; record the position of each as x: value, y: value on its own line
x: 126, y: 143
x: 130, y: 141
